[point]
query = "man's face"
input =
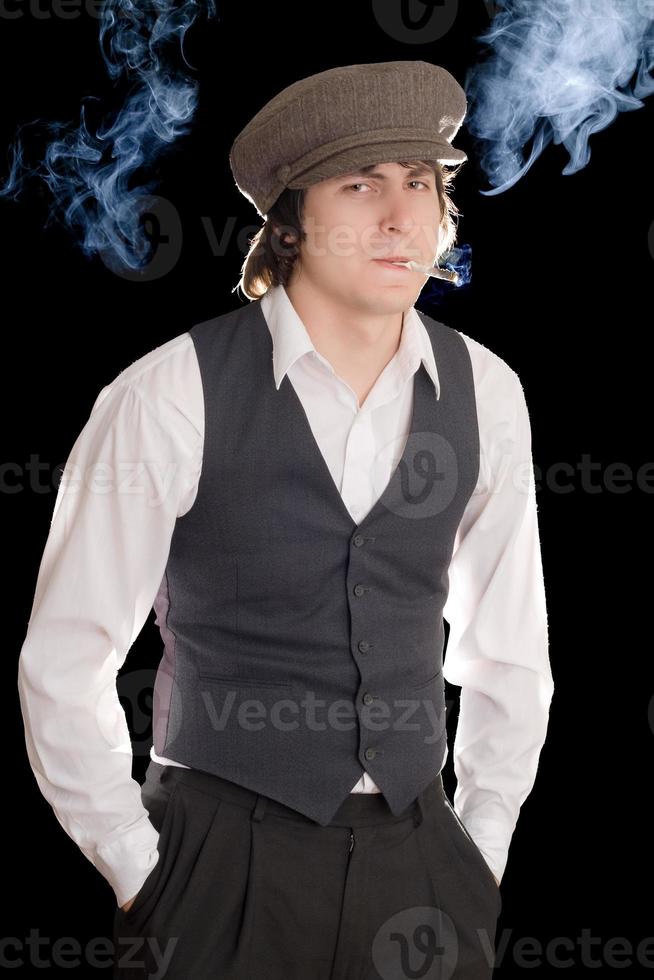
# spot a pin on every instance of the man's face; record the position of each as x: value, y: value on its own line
x: 353, y: 220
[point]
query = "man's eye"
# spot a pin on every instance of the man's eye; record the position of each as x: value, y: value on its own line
x: 361, y: 184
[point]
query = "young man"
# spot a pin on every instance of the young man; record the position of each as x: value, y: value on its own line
x: 345, y: 473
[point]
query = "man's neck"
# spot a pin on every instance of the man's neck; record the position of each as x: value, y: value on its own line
x: 357, y: 347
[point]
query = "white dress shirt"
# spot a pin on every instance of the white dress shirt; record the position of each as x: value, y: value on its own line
x: 134, y: 469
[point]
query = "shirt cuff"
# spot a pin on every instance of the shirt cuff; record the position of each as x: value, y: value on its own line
x: 127, y: 861
x: 493, y: 839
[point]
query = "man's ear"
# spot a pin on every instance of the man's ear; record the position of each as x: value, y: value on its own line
x: 284, y: 236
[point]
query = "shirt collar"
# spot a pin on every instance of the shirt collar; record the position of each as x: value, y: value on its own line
x: 291, y: 339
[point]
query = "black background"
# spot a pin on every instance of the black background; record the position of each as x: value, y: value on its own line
x: 561, y: 275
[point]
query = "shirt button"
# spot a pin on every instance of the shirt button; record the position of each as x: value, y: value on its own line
x: 364, y: 646
x: 359, y: 590
x: 370, y: 753
x: 358, y: 540
x: 368, y: 698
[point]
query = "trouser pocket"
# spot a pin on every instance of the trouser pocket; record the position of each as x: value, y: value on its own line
x: 160, y: 806
x: 469, y: 841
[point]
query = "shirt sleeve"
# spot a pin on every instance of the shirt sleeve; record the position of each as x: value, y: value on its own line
x: 497, y: 648
x: 129, y: 475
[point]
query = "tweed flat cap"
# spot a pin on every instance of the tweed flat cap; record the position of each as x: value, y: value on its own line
x: 344, y: 118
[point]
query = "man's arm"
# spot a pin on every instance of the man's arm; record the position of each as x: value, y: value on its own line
x: 103, y: 562
x: 498, y: 642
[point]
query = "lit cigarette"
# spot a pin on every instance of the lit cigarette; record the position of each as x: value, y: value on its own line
x: 433, y: 271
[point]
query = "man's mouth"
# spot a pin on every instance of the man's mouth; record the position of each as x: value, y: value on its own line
x: 398, y: 264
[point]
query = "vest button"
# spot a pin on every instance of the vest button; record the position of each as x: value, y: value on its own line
x: 364, y: 646
x: 368, y: 698
x: 359, y: 590
x: 358, y: 540
x: 370, y: 753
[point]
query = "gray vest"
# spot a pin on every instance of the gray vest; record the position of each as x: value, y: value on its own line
x: 302, y: 648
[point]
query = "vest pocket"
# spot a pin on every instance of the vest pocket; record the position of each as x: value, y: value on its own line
x: 430, y: 680
x: 239, y: 681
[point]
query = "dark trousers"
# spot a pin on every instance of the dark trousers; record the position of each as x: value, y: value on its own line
x: 246, y: 888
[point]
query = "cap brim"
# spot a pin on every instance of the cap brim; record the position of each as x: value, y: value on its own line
x: 350, y: 161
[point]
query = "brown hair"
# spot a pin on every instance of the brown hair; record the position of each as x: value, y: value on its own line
x: 275, y: 248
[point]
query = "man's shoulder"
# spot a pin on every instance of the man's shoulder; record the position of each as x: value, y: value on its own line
x: 166, y: 373
x: 487, y: 362
x: 488, y: 367
x: 157, y: 360
x: 499, y: 391
x: 176, y: 354
x: 217, y: 326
